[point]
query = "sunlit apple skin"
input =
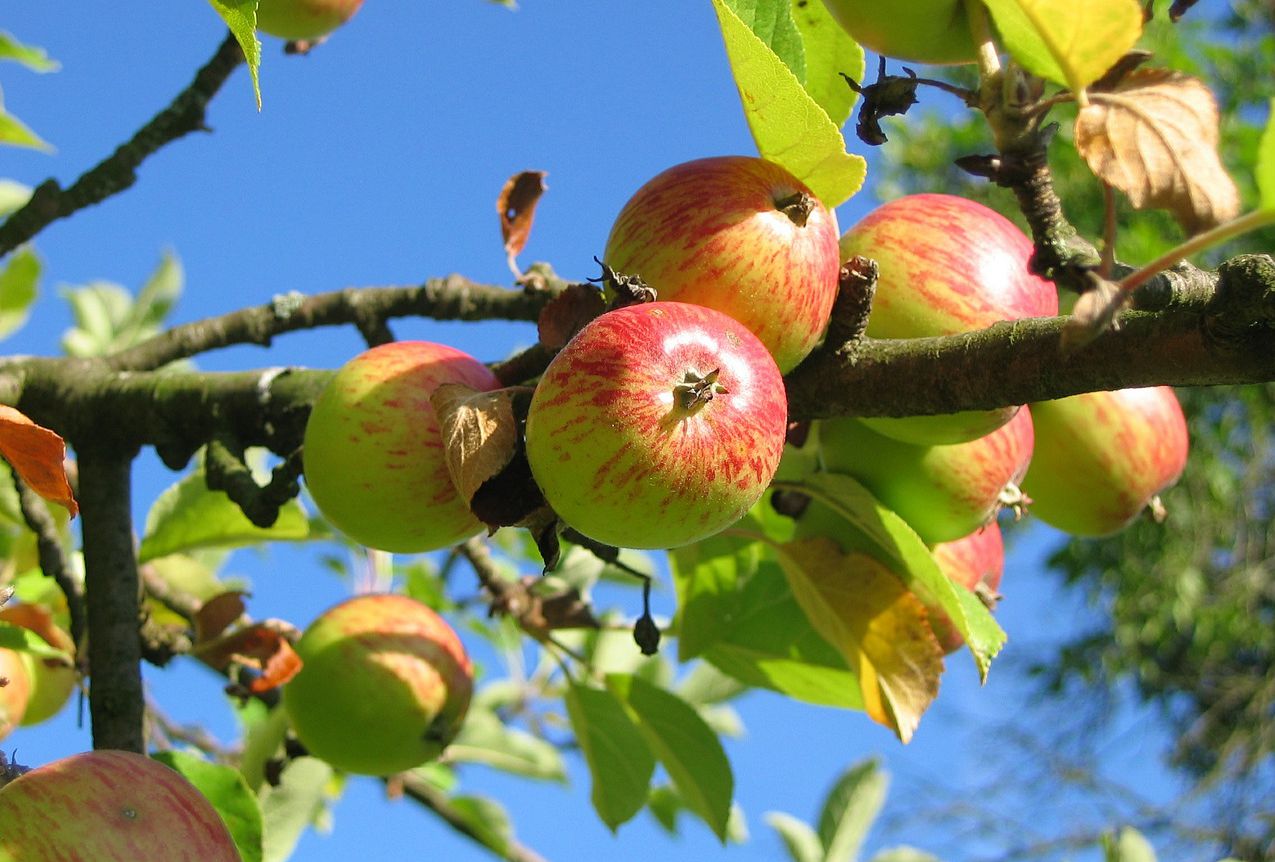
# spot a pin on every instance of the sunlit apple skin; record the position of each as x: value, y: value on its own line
x: 1102, y: 456
x: 923, y: 31
x: 384, y: 687
x: 109, y: 806
x: 943, y: 492
x: 616, y: 451
x: 304, y: 19
x: 947, y: 265
x: 724, y: 232
x: 373, y: 451
x: 15, y: 694
x: 978, y: 558
x: 52, y: 680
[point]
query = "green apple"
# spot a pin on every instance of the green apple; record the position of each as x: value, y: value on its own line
x: 110, y: 806
x: 943, y: 492
x: 1102, y: 456
x: 384, y: 685
x: 922, y: 31
x: 304, y: 19
x: 373, y: 450
x: 51, y: 672
x: 657, y: 425
x: 740, y: 235
x: 15, y: 692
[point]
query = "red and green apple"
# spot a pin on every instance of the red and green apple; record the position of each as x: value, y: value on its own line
x: 1102, y: 456
x: 304, y: 19
x: 110, y: 806
x: 373, y: 450
x: 741, y: 235
x: 384, y: 685
x: 975, y: 562
x: 657, y: 425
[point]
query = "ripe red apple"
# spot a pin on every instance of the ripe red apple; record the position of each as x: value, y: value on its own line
x: 741, y: 235
x: 657, y: 425
x: 978, y: 558
x: 947, y: 265
x: 384, y: 686
x: 1102, y: 456
x: 304, y: 19
x: 109, y: 806
x: 15, y: 693
x: 923, y: 31
x: 943, y: 492
x: 373, y: 452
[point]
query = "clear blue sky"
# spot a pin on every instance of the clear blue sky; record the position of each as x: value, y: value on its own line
x: 377, y: 160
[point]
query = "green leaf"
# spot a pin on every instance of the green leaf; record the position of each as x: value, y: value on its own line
x: 296, y: 802
x: 1070, y: 42
x: 904, y: 853
x: 880, y: 533
x: 262, y: 741
x: 849, y: 810
x: 1129, y: 846
x: 98, y: 308
x: 154, y: 301
x: 241, y: 17
x: 19, y: 285
x: 772, y: 22
x: 485, y: 739
x: 706, y: 685
x: 802, y: 842
x: 16, y: 133
x: 30, y: 56
x: 226, y: 789
x: 187, y: 515
x: 689, y: 750
x: 788, y: 126
x: 829, y: 52
x: 620, y: 762
x: 20, y: 639
x: 1266, y: 162
x: 487, y: 820
x: 13, y: 196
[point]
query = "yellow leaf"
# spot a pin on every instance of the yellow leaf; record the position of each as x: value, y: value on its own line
x: 788, y: 126
x: 1070, y: 42
x: 865, y: 611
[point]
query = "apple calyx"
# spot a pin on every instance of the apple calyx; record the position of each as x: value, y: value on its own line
x: 695, y: 390
x: 797, y: 206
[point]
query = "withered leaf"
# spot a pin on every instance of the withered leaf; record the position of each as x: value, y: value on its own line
x: 38, y: 619
x: 517, y: 208
x: 218, y: 614
x: 1095, y: 312
x: 37, y: 454
x: 266, y: 646
x: 480, y: 433
x: 879, y: 627
x: 567, y: 313
x: 1154, y: 136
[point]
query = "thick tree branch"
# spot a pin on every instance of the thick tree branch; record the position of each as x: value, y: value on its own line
x: 450, y: 298
x: 116, y: 702
x: 118, y: 171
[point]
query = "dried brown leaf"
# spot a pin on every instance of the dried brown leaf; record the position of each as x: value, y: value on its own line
x: 38, y: 456
x: 1094, y: 313
x: 266, y: 646
x: 218, y: 614
x: 1154, y: 136
x: 567, y: 313
x: 480, y: 433
x: 517, y: 208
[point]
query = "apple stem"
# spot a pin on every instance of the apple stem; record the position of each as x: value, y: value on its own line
x: 797, y: 206
x: 695, y: 391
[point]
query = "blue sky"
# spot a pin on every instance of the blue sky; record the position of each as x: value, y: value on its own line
x: 377, y: 160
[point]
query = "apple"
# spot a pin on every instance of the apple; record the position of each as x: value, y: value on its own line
x: 943, y: 492
x: 923, y: 31
x: 384, y: 685
x: 947, y: 265
x: 51, y: 675
x: 15, y: 693
x: 304, y: 19
x: 110, y: 806
x: 741, y: 235
x: 971, y: 561
x: 373, y: 452
x: 1102, y: 456
x: 657, y: 425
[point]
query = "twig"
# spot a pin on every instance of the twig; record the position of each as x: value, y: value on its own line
x: 53, y: 560
x: 423, y: 792
x: 117, y: 172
